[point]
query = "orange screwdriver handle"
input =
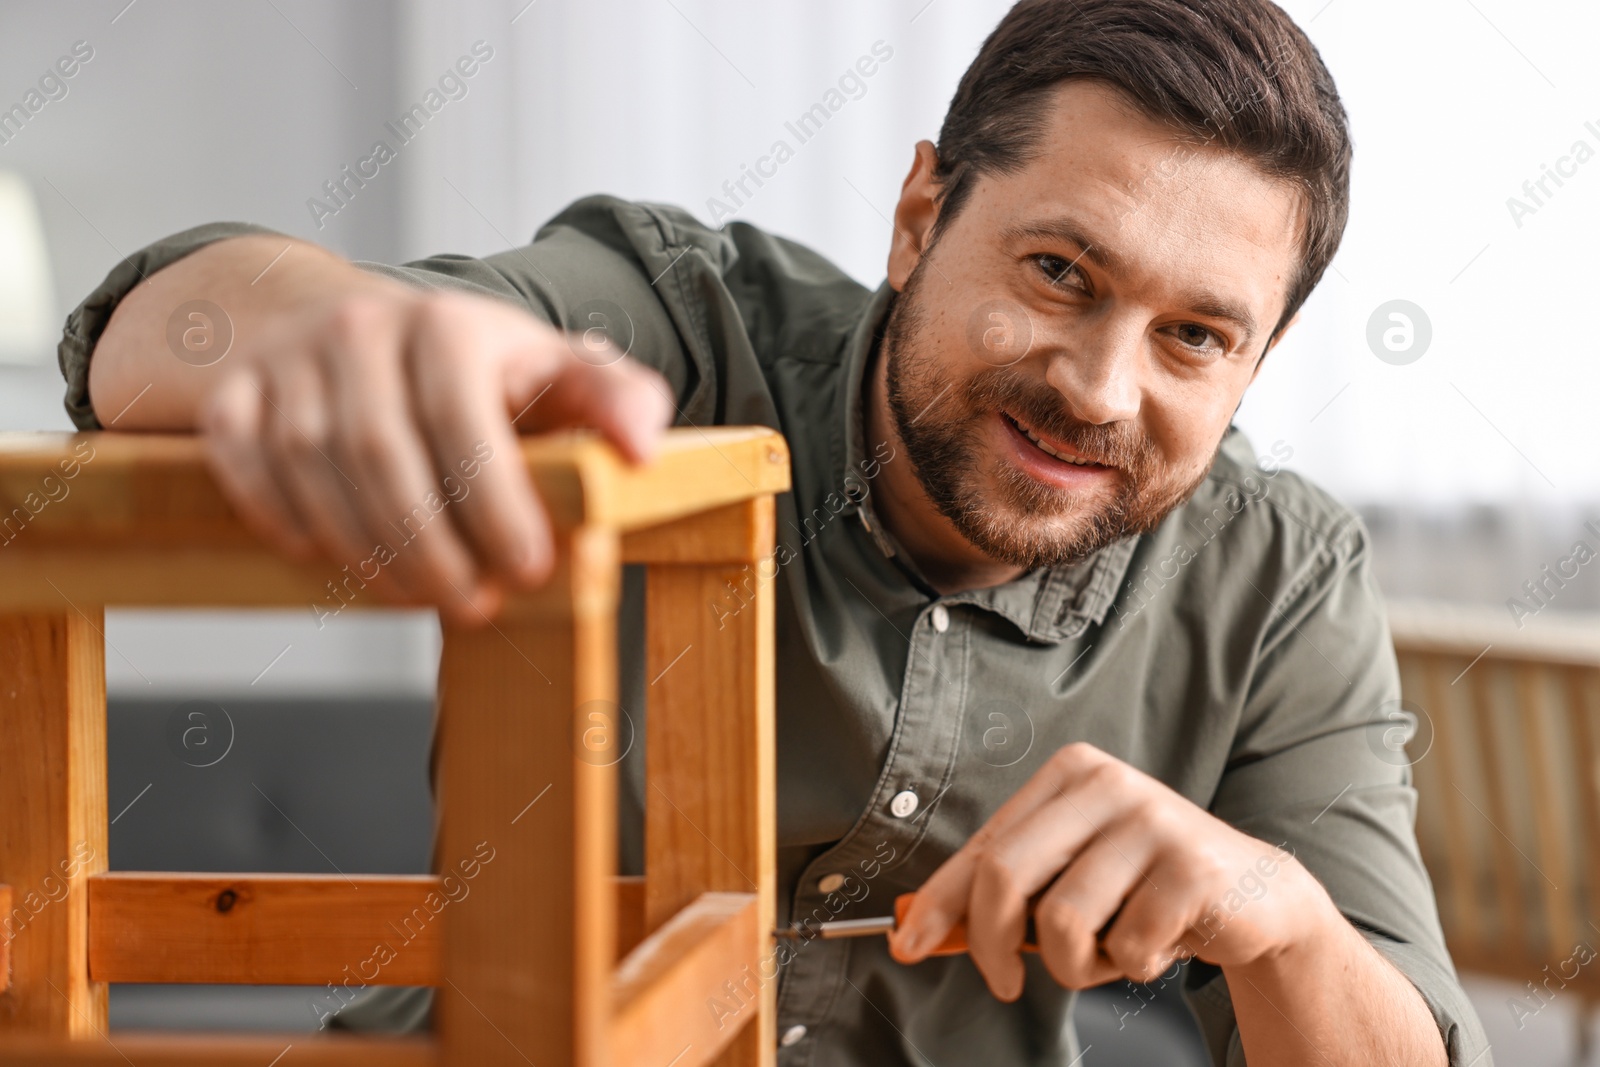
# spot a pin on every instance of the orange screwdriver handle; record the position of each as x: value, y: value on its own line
x: 955, y: 942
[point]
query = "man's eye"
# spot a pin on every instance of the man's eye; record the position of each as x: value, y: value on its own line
x: 1060, y: 271
x: 1195, y: 336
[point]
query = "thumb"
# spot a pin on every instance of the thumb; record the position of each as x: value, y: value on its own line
x: 935, y: 910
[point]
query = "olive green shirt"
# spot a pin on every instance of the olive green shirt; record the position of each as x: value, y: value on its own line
x: 1239, y: 653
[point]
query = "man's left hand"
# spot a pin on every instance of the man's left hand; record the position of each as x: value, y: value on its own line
x: 1126, y: 875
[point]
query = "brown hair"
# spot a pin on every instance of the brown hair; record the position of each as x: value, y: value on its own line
x: 1236, y: 73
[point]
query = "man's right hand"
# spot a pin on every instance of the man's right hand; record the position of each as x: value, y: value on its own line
x: 348, y: 399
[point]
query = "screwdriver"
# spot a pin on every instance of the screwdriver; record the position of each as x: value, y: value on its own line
x: 954, y: 943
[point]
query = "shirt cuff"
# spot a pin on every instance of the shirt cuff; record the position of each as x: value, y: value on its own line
x: 86, y: 322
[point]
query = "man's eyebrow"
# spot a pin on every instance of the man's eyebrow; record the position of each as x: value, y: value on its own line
x: 1065, y: 229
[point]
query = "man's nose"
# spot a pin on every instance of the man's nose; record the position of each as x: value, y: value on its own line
x: 1098, y: 372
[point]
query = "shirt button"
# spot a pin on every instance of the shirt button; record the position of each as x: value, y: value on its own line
x: 830, y: 883
x: 792, y: 1035
x: 903, y: 804
x: 941, y: 618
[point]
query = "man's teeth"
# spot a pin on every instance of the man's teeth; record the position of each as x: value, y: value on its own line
x: 1046, y: 448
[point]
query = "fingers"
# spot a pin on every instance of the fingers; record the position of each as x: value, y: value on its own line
x: 1019, y: 849
x: 1013, y: 867
x: 400, y: 499
x: 1155, y: 924
x: 1076, y: 907
x: 230, y: 421
x: 382, y: 435
x: 294, y: 428
x: 935, y: 910
x: 461, y: 402
x: 627, y: 401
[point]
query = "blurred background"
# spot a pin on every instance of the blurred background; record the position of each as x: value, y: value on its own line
x: 1470, y: 448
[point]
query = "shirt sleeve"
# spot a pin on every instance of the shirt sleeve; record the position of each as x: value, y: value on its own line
x: 1310, y: 771
x: 602, y: 266
x: 86, y: 322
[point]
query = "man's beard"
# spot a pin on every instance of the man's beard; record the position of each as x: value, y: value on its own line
x: 1009, y: 515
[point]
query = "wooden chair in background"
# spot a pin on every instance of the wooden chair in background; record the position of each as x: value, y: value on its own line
x: 550, y: 959
x: 1506, y: 765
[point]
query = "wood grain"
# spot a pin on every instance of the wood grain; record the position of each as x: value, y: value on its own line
x: 528, y: 956
x: 217, y: 1050
x: 677, y: 997
x: 5, y: 942
x: 289, y: 929
x: 732, y: 533
x: 155, y: 490
x: 269, y: 929
x: 710, y: 817
x: 53, y: 800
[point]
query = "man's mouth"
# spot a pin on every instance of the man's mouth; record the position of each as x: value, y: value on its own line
x: 1056, y: 449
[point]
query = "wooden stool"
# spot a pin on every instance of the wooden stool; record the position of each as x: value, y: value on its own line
x: 550, y: 959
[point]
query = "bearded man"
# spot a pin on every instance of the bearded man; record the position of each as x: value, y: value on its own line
x: 1052, y: 639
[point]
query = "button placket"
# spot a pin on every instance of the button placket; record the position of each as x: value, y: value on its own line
x: 921, y: 761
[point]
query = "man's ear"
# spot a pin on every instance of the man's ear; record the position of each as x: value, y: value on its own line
x: 914, y: 215
x: 1271, y: 345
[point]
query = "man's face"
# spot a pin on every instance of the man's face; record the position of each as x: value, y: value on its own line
x: 1113, y: 297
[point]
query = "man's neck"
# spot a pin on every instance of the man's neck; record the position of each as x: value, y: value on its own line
x: 951, y: 563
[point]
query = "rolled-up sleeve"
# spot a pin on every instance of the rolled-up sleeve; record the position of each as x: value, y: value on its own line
x: 86, y: 322
x: 1311, y: 771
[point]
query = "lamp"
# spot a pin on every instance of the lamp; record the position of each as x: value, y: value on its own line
x: 28, y: 329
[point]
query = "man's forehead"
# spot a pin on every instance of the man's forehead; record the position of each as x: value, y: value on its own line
x: 1140, y: 201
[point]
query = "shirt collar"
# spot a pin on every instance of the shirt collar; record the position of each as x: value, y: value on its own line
x: 1046, y: 603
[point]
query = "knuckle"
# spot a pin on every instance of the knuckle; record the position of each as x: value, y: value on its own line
x: 1158, y: 822
x: 224, y: 415
x: 352, y: 319
x: 1077, y: 756
x: 368, y: 443
x: 1065, y: 967
x: 1059, y: 920
x: 993, y: 868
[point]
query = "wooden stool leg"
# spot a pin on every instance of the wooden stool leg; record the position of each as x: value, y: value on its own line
x: 529, y: 949
x: 53, y: 797
x: 710, y: 820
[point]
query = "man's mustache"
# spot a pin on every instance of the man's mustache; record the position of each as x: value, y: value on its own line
x: 1043, y: 410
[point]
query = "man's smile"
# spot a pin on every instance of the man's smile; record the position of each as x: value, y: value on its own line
x: 1050, y: 459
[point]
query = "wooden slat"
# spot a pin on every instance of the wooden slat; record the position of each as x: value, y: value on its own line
x: 663, y: 991
x: 218, y: 1050
x: 1585, y: 769
x: 5, y: 942
x: 709, y: 818
x: 286, y: 929
x: 53, y: 803
x: 1510, y: 907
x: 695, y: 469
x: 1467, y: 932
x: 155, y: 490
x: 732, y: 533
x: 267, y: 929
x: 1549, y: 854
x: 46, y: 579
x: 527, y: 958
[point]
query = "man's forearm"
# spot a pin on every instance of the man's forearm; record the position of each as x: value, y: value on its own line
x: 1334, y: 1001
x: 135, y: 377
